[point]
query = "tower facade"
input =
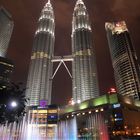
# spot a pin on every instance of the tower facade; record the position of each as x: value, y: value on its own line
x: 6, y: 28
x: 40, y: 71
x: 124, y: 59
x: 85, y: 82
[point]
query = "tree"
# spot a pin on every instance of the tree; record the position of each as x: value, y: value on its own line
x: 12, y: 103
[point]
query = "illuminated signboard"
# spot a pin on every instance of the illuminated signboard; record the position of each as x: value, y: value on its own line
x: 118, y: 119
x: 43, y: 103
x: 52, y: 118
x: 40, y: 111
x: 116, y: 105
x: 52, y: 111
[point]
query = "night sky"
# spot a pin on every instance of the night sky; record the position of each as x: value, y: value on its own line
x: 25, y: 14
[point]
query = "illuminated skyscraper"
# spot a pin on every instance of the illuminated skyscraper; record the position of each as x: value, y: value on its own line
x: 6, y: 28
x: 39, y: 83
x: 85, y: 82
x: 124, y: 59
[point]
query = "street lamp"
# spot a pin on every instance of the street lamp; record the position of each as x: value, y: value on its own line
x: 13, y: 104
x: 78, y: 101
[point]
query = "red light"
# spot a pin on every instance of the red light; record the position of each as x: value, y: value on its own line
x: 112, y: 90
x: 71, y: 102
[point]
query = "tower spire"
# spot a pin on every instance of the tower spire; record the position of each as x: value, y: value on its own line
x: 48, y: 4
x: 49, y: 1
x: 80, y: 2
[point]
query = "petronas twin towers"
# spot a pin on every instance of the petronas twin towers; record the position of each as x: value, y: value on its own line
x: 84, y: 75
x: 83, y: 67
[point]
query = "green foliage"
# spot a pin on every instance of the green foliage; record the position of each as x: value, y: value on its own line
x: 8, y: 94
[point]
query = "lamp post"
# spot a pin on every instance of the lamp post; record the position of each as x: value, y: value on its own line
x: 13, y: 104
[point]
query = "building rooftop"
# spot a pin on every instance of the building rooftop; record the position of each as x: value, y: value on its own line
x: 101, y: 101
